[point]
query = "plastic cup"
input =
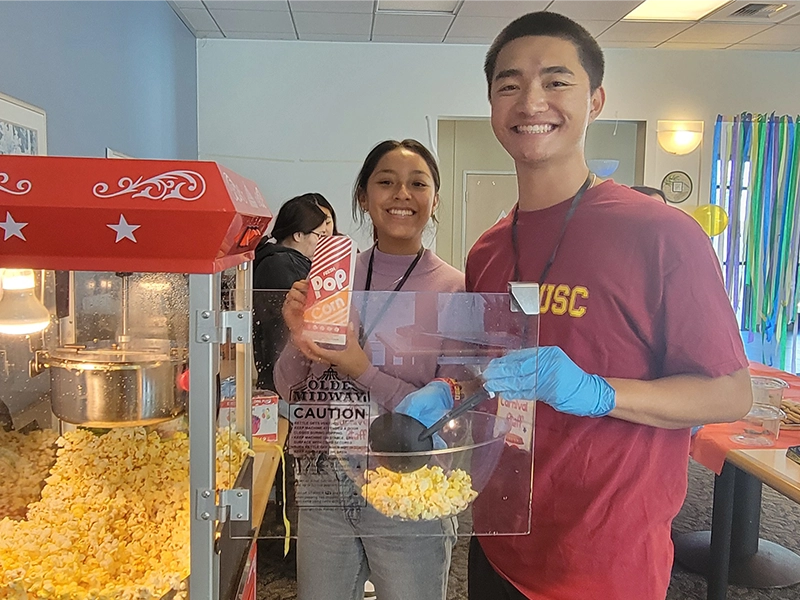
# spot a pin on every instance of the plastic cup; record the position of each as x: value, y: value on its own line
x: 768, y: 390
x: 760, y: 426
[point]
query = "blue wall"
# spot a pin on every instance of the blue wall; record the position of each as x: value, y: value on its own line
x: 116, y: 74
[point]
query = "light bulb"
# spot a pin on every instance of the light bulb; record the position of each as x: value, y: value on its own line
x: 21, y: 313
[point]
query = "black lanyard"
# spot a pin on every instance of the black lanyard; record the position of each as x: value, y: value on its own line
x: 403, y: 279
x: 365, y: 335
x: 514, y: 241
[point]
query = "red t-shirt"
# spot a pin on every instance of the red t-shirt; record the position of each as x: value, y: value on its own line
x: 635, y: 292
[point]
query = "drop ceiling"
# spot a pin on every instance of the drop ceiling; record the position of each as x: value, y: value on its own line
x: 478, y: 21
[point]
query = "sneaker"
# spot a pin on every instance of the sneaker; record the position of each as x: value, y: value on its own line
x: 369, y: 590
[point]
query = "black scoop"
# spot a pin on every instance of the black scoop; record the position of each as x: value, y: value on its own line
x: 396, y: 432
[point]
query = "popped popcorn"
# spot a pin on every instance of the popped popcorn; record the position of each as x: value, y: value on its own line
x: 425, y: 494
x: 24, y: 463
x: 113, y: 519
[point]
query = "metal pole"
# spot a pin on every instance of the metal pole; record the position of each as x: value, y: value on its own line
x: 244, y: 355
x: 204, y: 304
x: 721, y: 521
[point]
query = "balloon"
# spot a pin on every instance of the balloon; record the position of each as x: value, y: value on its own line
x: 712, y: 218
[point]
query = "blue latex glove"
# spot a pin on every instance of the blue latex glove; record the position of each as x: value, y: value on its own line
x: 428, y: 404
x: 562, y: 384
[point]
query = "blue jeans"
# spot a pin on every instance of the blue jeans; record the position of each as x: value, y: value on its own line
x: 338, y: 549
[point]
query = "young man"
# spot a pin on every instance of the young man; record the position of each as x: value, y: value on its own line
x: 639, y: 341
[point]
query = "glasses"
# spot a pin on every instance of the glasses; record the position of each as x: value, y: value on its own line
x: 318, y: 234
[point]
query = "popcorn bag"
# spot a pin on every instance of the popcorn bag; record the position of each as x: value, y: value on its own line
x: 264, y: 414
x: 327, y: 309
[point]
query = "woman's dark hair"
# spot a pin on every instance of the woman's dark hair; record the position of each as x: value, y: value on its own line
x: 323, y: 202
x: 374, y: 157
x: 550, y: 24
x: 650, y: 191
x: 301, y: 214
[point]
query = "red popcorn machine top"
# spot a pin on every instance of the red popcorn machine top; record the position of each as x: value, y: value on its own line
x: 112, y: 320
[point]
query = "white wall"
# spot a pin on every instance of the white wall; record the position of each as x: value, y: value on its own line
x: 301, y: 116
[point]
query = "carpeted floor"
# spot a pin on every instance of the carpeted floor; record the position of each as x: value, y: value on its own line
x: 780, y: 522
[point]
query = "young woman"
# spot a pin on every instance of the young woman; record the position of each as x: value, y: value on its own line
x: 282, y: 259
x: 339, y: 548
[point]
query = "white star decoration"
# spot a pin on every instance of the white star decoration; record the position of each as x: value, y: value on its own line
x: 124, y: 230
x: 12, y: 228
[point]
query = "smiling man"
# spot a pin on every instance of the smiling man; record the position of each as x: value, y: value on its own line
x: 639, y: 341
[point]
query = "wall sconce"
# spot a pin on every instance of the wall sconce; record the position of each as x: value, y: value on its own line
x: 679, y: 137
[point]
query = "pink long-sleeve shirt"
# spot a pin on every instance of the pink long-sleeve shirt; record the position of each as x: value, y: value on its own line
x: 391, y: 377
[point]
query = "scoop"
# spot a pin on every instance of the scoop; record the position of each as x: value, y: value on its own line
x: 409, y: 438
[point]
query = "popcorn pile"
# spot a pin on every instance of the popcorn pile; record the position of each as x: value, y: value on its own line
x: 424, y: 494
x: 113, y: 519
x: 25, y: 461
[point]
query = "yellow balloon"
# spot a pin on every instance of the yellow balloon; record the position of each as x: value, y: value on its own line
x: 712, y: 218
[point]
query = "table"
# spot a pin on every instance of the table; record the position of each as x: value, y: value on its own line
x: 732, y: 550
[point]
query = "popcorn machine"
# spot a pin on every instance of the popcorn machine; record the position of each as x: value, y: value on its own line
x: 112, y: 319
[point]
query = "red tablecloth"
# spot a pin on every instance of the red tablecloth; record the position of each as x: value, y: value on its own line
x: 712, y: 442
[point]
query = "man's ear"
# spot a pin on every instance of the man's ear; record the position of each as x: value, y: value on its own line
x: 597, y: 102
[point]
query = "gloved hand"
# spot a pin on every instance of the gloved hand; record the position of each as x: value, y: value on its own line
x: 428, y: 404
x: 561, y: 383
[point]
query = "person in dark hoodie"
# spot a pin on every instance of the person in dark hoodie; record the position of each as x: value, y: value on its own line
x: 282, y: 259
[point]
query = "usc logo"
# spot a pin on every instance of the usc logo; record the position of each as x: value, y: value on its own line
x: 560, y: 299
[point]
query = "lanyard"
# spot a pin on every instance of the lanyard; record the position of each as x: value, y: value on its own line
x: 590, y: 179
x: 365, y: 335
x: 403, y: 279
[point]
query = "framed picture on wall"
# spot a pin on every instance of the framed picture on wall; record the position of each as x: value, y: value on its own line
x: 23, y: 127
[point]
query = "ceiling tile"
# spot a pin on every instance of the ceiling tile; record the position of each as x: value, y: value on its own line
x: 671, y: 45
x: 186, y: 3
x: 766, y: 47
x: 411, y: 39
x: 718, y: 33
x: 596, y: 27
x: 626, y: 31
x: 199, y: 19
x: 208, y: 34
x: 423, y: 26
x: 268, y: 5
x: 252, y: 20
x: 482, y: 41
x: 258, y: 35
x: 338, y: 23
x: 477, y: 26
x: 780, y: 34
x: 607, y: 10
x: 334, y: 37
x: 332, y: 6
x: 628, y: 44
x: 500, y: 8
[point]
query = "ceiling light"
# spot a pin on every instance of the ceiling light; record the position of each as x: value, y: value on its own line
x: 673, y: 10
x: 438, y: 7
x: 21, y: 313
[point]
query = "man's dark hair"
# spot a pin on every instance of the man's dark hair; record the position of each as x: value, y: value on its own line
x: 550, y: 24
